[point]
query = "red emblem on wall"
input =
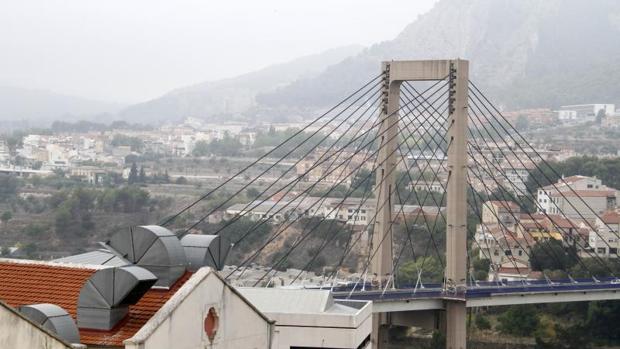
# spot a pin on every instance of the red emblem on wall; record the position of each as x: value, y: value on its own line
x: 211, y: 324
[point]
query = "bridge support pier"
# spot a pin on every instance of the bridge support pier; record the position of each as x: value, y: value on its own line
x: 456, y: 215
x: 382, y: 263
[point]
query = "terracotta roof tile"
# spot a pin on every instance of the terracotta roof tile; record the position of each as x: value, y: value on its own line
x: 24, y: 283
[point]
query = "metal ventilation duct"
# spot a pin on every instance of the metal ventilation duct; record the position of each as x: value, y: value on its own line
x: 154, y: 248
x: 105, y: 297
x: 205, y: 250
x: 53, y: 318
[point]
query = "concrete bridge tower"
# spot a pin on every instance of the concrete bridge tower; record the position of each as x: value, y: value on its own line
x: 382, y: 263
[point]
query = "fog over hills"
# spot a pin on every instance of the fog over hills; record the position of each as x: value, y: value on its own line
x: 235, y: 96
x: 525, y: 53
x: 19, y: 104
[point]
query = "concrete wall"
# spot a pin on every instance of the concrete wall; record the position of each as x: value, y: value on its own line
x: 286, y: 337
x: 180, y: 323
x: 17, y: 332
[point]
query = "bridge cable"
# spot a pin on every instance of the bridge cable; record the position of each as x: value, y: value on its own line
x: 302, y: 130
x: 476, y: 92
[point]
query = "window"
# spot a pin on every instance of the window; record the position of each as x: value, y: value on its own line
x: 613, y: 251
x: 600, y: 250
x: 520, y: 253
x: 508, y: 253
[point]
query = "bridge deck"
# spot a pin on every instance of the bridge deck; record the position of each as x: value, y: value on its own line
x: 485, y: 294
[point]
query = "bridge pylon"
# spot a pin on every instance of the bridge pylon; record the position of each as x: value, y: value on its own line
x: 382, y: 262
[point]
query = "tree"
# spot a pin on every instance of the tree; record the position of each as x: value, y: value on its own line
x: 6, y: 217
x: 600, y: 115
x: 552, y: 255
x: 5, y: 251
x: 431, y: 271
x: 252, y: 193
x: 201, y: 148
x: 482, y: 322
x: 481, y: 268
x: 522, y: 123
x: 519, y: 321
x: 133, y: 174
x: 8, y: 186
x: 181, y: 180
x: 142, y: 175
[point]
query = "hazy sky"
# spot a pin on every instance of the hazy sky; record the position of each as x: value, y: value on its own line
x: 133, y: 50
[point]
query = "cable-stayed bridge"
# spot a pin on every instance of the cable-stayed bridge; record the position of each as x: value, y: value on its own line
x: 418, y: 165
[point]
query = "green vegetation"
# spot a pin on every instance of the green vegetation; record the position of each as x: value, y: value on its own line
x: 8, y: 187
x: 552, y: 255
x: 605, y: 169
x: 518, y: 321
x: 6, y: 217
x: 432, y: 271
x: 227, y: 146
x: 74, y: 209
x: 482, y: 322
x: 136, y: 144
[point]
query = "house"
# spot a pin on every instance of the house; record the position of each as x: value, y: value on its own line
x: 500, y: 244
x: 148, y: 289
x: 604, y: 240
x: 434, y: 186
x: 584, y: 112
x: 145, y: 316
x: 576, y: 197
x: 500, y: 212
x: 511, y: 270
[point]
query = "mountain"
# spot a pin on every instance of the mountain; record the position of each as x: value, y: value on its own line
x: 41, y: 107
x: 524, y: 53
x: 230, y: 97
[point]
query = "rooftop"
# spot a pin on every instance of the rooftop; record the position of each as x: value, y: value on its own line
x: 30, y: 282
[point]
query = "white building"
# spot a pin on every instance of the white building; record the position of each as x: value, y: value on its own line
x: 605, y: 242
x: 584, y: 112
x: 312, y: 318
x: 576, y: 196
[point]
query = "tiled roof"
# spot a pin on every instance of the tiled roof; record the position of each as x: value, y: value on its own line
x: 611, y: 217
x: 22, y: 283
x: 584, y: 193
x: 139, y: 314
x: 29, y: 283
x: 505, y: 204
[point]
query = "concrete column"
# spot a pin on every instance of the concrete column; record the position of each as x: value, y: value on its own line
x: 456, y: 225
x: 382, y: 263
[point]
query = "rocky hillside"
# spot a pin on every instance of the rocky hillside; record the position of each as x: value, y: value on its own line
x: 234, y: 97
x: 523, y: 53
x: 527, y: 52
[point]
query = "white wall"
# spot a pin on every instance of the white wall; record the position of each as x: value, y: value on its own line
x: 17, y: 333
x: 181, y: 326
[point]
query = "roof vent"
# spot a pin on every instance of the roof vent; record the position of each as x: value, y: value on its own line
x: 154, y: 248
x: 53, y: 318
x: 105, y: 297
x: 205, y: 250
